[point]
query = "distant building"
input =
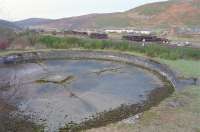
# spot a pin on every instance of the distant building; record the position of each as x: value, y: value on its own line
x: 145, y: 38
x: 78, y: 33
x: 131, y: 31
x: 188, y: 31
x: 98, y: 36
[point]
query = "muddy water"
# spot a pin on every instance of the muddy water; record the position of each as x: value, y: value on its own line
x: 56, y: 92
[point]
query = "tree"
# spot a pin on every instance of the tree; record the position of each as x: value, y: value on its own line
x: 31, y: 36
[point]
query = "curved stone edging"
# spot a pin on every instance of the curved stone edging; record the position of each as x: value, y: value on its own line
x: 123, y: 111
x: 81, y: 54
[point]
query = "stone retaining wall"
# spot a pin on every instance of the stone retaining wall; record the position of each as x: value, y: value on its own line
x: 80, y: 54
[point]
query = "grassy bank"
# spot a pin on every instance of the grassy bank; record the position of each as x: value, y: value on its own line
x: 178, y: 113
x: 153, y: 50
x: 186, y: 68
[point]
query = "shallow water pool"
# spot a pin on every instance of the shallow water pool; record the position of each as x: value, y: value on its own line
x: 56, y: 92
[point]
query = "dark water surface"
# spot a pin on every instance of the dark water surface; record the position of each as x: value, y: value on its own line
x: 56, y: 92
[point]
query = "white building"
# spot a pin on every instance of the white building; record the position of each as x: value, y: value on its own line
x: 128, y: 31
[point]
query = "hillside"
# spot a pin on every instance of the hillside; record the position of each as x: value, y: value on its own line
x: 167, y: 14
x: 7, y: 33
x: 8, y: 25
x: 154, y: 15
x: 32, y: 22
x: 7, y: 29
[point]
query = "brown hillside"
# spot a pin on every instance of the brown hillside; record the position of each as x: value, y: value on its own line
x: 168, y: 14
x: 155, y: 15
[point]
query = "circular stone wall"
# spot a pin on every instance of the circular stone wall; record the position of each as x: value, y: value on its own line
x: 95, y: 89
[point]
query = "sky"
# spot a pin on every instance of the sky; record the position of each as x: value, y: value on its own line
x: 22, y: 9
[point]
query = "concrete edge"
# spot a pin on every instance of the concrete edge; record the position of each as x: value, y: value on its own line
x: 146, y: 63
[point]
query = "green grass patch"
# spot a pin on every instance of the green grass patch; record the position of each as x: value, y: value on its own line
x: 152, y: 50
x: 187, y: 68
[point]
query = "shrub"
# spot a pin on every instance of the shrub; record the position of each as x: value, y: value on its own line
x: 3, y: 45
x: 152, y: 50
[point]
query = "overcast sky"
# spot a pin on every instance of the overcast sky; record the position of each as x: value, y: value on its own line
x: 22, y: 9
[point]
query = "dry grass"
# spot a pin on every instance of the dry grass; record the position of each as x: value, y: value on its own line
x: 179, y: 113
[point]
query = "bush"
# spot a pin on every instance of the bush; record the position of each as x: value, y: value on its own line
x: 152, y: 50
x: 30, y: 35
x: 3, y: 45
